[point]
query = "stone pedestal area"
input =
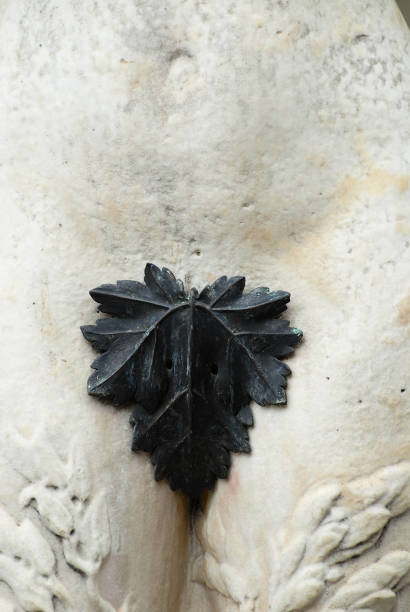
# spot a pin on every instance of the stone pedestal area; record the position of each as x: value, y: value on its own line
x: 269, y: 139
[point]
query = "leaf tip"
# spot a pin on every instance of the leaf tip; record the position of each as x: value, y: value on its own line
x: 91, y: 387
x: 246, y: 447
x: 282, y: 401
x: 84, y: 330
x: 94, y: 293
x: 149, y: 269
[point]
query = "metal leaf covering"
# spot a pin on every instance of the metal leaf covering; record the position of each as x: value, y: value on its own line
x: 190, y: 364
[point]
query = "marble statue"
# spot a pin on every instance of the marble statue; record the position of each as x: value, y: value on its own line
x: 263, y: 138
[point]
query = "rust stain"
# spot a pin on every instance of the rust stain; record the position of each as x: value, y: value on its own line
x: 307, y: 249
x: 395, y: 403
x: 375, y: 182
x: 140, y: 73
x: 112, y: 214
x: 259, y: 233
x: 402, y: 225
x: 317, y: 159
x: 404, y: 311
x: 47, y: 328
x: 26, y: 431
x: 390, y: 340
x: 391, y: 401
x: 319, y: 47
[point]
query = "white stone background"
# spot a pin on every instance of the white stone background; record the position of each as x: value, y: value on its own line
x: 264, y: 138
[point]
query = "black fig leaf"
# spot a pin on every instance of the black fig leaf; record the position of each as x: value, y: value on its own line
x: 190, y: 363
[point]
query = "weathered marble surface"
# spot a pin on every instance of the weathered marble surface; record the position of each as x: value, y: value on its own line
x: 263, y: 138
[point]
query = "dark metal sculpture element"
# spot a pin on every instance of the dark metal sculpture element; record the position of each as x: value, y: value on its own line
x: 191, y: 363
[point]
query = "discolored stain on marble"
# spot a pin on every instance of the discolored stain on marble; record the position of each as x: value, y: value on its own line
x: 404, y: 312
